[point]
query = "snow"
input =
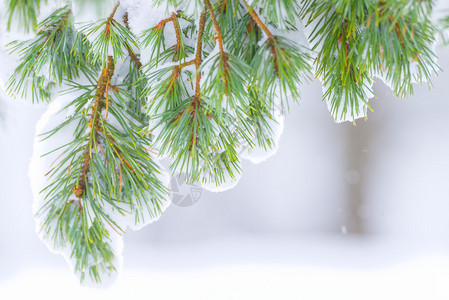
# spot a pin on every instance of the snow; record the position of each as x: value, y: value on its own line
x: 92, y: 11
x: 193, y: 7
x: 144, y: 15
x: 415, y: 279
x: 440, y: 10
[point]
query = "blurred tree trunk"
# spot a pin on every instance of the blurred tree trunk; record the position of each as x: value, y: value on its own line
x: 356, y: 151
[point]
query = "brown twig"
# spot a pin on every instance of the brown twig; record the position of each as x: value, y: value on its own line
x: 131, y: 53
x: 270, y: 36
x: 63, y: 21
x: 259, y: 22
x: 178, y: 36
x: 110, y: 20
x: 216, y: 25
x: 177, y: 69
x: 106, y: 75
x: 217, y: 29
x: 398, y: 32
x: 198, y: 57
x: 162, y: 23
x: 397, y: 28
x: 198, y: 61
x: 174, y: 19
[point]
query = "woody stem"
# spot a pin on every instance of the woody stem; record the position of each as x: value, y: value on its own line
x: 105, y: 77
x: 216, y: 25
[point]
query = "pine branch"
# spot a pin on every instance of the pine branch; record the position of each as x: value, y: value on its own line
x: 220, y: 93
x: 284, y: 71
x: 104, y: 174
x: 110, y: 173
x: 188, y: 131
x: 367, y: 39
x: 65, y: 57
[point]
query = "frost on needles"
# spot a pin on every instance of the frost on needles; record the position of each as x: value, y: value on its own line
x: 203, y: 83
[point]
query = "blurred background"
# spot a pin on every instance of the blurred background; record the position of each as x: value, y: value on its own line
x: 340, y: 212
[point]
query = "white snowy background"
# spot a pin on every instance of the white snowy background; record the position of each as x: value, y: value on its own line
x: 340, y: 212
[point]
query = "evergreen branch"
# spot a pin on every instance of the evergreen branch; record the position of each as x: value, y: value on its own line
x: 65, y: 57
x: 170, y: 90
x: 339, y: 65
x: 366, y: 39
x: 410, y: 35
x: 188, y: 121
x: 228, y: 74
x: 200, y: 141
x: 111, y: 175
